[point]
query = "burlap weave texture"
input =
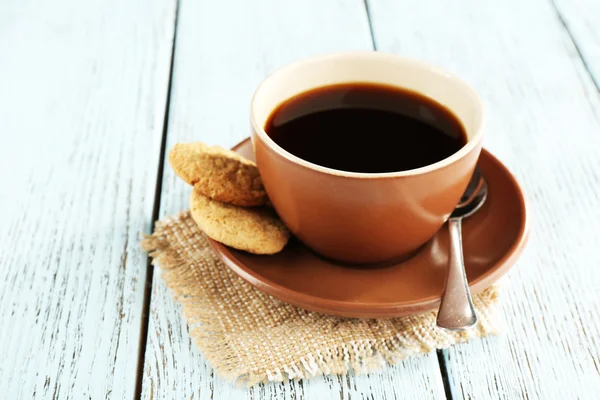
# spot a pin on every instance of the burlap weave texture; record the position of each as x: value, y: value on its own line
x: 250, y: 337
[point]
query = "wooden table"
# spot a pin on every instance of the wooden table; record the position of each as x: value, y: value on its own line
x: 93, y: 92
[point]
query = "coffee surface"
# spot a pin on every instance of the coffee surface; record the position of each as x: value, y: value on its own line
x: 364, y: 127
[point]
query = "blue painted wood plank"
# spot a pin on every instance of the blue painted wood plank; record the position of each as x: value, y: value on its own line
x: 544, y: 123
x: 83, y: 87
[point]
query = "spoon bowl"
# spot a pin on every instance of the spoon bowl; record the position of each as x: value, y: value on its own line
x: 473, y: 197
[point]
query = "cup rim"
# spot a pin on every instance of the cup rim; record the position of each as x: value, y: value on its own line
x: 471, y: 144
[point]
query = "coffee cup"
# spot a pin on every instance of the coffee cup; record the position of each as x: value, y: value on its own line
x: 356, y: 217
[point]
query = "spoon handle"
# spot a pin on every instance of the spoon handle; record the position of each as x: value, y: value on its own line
x: 456, y: 309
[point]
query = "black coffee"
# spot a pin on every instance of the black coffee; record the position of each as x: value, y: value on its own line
x: 363, y: 127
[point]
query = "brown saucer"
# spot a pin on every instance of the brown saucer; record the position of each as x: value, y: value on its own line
x: 493, y: 239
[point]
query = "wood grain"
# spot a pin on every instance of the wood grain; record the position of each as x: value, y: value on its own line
x: 544, y: 124
x: 223, y: 50
x: 581, y: 20
x: 82, y: 97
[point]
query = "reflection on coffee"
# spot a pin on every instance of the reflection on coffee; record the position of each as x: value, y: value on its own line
x: 365, y: 127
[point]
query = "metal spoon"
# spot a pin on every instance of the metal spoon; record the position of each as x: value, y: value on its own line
x: 456, y: 309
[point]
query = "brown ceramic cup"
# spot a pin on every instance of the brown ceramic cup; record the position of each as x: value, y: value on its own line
x: 364, y: 217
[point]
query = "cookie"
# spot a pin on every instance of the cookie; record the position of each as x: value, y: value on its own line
x: 255, y: 230
x: 218, y: 173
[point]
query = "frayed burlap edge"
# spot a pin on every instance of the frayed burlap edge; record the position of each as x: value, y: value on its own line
x: 373, y: 343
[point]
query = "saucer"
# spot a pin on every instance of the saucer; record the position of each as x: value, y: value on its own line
x: 493, y: 239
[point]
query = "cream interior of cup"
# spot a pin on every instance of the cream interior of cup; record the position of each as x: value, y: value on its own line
x: 369, y: 67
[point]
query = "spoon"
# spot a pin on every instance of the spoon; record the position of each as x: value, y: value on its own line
x: 456, y: 309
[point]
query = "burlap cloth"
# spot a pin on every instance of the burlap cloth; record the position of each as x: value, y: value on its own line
x: 251, y: 337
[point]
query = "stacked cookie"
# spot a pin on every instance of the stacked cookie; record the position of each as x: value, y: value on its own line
x: 228, y: 201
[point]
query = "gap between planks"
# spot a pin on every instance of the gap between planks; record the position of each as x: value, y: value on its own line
x: 139, y: 378
x: 580, y: 55
x: 368, y: 12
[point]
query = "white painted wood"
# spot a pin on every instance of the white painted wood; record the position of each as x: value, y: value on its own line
x: 545, y: 124
x: 83, y: 86
x: 582, y: 19
x: 223, y: 50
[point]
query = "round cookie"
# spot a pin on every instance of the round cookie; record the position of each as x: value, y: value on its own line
x: 255, y: 230
x: 218, y: 173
